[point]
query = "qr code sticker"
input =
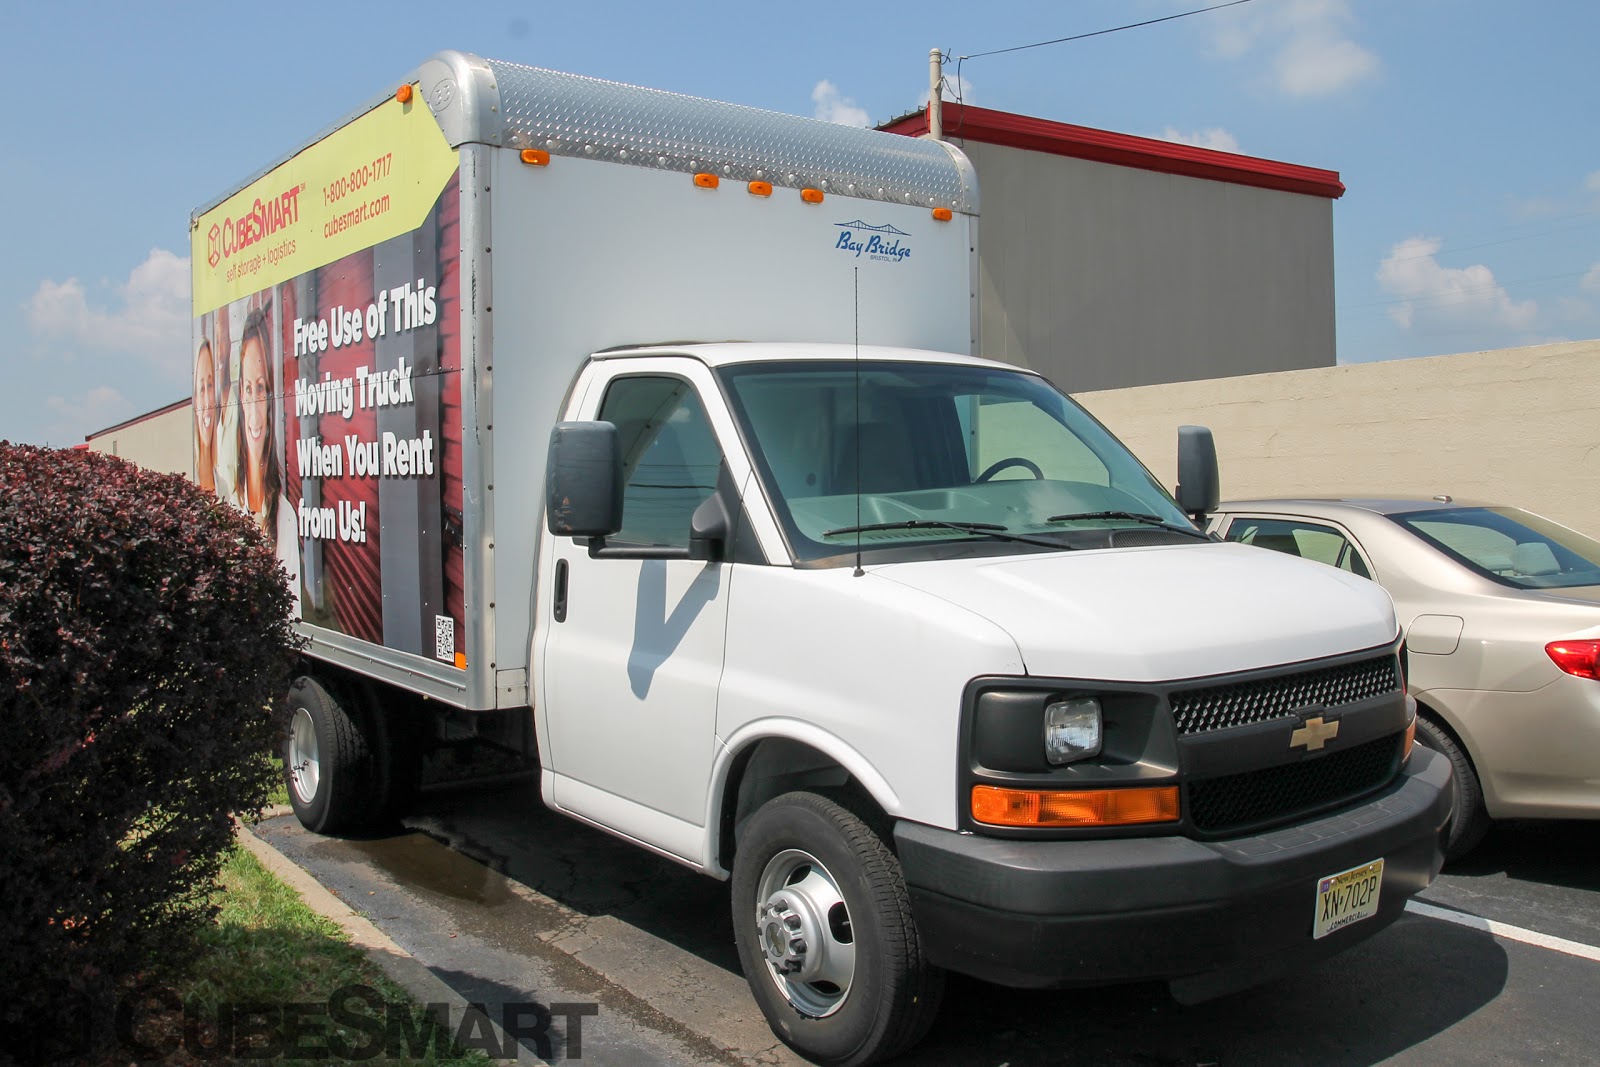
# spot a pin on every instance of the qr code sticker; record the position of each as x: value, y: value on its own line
x: 444, y: 637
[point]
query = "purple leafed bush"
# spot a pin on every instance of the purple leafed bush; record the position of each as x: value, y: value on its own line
x: 145, y: 647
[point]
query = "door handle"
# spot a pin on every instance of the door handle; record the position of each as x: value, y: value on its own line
x: 560, y: 607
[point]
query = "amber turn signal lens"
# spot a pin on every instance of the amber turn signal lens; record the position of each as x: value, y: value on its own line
x: 1079, y: 807
x: 811, y: 196
x: 707, y: 181
x: 1411, y: 739
x: 403, y: 94
x: 536, y: 157
x: 760, y: 188
x: 943, y: 214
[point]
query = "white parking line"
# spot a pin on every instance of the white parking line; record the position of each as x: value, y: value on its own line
x: 1506, y: 930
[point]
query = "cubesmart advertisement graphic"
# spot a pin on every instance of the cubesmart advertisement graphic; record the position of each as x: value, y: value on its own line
x: 327, y: 358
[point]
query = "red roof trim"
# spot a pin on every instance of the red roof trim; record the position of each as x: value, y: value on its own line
x: 1121, y: 149
x: 174, y: 406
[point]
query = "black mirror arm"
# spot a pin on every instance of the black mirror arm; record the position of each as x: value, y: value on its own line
x: 709, y: 529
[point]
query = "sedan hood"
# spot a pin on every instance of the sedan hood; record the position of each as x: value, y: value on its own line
x: 1164, y: 613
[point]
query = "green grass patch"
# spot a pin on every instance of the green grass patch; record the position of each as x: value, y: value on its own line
x: 280, y: 792
x: 267, y: 954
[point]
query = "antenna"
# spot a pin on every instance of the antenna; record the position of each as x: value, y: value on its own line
x: 858, y: 572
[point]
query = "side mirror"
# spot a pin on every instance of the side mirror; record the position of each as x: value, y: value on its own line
x: 583, y: 480
x: 1199, y: 485
x: 709, y: 529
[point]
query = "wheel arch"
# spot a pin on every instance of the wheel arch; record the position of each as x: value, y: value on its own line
x: 771, y: 758
x: 1442, y: 717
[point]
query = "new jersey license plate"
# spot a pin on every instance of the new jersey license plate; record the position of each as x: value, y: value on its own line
x: 1347, y: 897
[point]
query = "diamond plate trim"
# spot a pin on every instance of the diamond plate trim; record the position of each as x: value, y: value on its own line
x: 1242, y: 703
x: 570, y: 115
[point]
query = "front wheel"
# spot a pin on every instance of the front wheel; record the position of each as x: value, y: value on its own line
x: 1471, y: 819
x: 826, y: 936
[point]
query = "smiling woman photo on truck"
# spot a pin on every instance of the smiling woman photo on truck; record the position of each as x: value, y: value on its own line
x: 896, y: 640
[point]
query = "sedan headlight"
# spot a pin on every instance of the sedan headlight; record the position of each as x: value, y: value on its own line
x: 1072, y: 730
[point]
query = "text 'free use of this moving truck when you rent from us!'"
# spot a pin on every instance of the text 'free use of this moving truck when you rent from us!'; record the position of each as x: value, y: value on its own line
x: 641, y: 436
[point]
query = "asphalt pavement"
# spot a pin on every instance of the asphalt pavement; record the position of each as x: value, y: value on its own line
x: 509, y: 903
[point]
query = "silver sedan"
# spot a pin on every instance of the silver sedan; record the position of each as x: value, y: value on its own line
x: 1501, y: 610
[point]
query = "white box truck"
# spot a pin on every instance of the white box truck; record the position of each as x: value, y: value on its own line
x: 642, y: 436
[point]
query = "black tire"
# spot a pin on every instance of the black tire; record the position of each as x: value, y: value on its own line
x: 332, y: 792
x: 1471, y: 819
x: 397, y: 745
x: 893, y: 993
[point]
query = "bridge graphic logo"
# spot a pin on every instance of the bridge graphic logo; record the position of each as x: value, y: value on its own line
x: 884, y: 243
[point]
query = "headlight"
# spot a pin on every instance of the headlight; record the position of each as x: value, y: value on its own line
x: 1072, y: 730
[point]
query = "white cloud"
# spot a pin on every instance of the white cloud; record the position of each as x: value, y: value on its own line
x: 1320, y: 64
x: 1591, y: 281
x: 94, y: 410
x: 1433, y: 294
x: 150, y: 317
x: 1592, y: 182
x: 1310, y: 52
x: 833, y: 106
x: 1214, y: 137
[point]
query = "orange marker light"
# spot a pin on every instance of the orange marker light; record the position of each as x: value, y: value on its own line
x: 1079, y: 807
x: 403, y: 94
x: 536, y: 157
x: 461, y: 661
x: 943, y: 214
x: 811, y: 196
x: 707, y: 181
x: 760, y: 188
x: 1411, y: 739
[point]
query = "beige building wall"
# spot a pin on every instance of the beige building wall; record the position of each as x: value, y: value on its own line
x: 161, y: 440
x: 1517, y: 426
x: 1101, y: 276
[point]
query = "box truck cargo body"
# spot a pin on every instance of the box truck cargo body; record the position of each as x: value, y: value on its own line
x: 643, y: 437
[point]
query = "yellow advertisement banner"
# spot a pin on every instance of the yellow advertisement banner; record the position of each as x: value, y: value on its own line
x: 368, y: 181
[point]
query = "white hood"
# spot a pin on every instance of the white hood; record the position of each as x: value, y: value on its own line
x: 1165, y: 613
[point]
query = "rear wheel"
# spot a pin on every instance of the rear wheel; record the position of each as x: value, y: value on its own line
x: 346, y: 766
x: 1471, y: 819
x: 826, y: 936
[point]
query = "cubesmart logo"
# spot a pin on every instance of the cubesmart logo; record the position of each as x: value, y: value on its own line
x: 214, y: 245
x: 874, y: 242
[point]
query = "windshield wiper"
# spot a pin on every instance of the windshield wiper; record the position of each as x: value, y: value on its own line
x: 990, y: 529
x: 1136, y: 516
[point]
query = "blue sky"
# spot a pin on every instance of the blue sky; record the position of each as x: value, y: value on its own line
x: 1466, y: 130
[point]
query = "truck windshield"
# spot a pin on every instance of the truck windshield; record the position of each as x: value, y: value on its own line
x: 943, y: 454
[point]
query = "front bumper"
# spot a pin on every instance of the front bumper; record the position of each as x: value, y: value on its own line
x: 1210, y: 916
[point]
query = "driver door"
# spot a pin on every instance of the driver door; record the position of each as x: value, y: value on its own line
x: 632, y: 664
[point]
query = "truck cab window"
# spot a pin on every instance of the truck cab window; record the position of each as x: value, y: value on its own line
x: 670, y: 458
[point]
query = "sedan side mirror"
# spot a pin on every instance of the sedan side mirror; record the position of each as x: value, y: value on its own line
x: 1199, y: 485
x: 583, y: 480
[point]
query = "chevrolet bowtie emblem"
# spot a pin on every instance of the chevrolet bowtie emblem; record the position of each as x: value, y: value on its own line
x: 1314, y: 734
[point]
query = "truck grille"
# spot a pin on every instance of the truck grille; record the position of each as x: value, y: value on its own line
x: 1240, y: 801
x: 1242, y: 703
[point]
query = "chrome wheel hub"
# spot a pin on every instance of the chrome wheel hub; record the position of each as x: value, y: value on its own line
x: 305, y: 771
x: 806, y: 935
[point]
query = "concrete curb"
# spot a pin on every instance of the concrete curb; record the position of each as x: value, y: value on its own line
x: 417, y: 980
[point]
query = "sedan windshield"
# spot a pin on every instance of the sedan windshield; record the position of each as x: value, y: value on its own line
x: 1514, y: 547
x: 988, y: 460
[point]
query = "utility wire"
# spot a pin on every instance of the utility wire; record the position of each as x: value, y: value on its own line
x: 1447, y: 249
x: 959, y: 60
x: 1099, y: 33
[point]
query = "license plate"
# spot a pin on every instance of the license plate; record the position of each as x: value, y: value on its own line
x: 1347, y: 897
